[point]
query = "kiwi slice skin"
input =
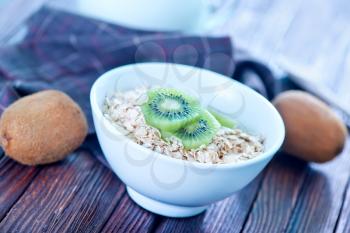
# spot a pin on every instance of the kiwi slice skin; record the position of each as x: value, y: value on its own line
x: 223, y: 120
x: 198, y: 132
x: 169, y: 109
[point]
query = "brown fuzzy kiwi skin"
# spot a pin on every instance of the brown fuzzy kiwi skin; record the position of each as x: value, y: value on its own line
x: 42, y: 128
x: 313, y: 132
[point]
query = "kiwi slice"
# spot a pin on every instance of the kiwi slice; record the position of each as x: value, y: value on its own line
x: 169, y: 109
x: 166, y: 135
x: 224, y: 121
x: 198, y: 132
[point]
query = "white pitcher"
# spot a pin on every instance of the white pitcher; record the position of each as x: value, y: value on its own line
x: 159, y: 15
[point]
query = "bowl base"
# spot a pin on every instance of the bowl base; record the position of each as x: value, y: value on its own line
x: 164, y: 209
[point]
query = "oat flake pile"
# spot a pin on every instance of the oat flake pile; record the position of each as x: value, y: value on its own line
x: 123, y: 110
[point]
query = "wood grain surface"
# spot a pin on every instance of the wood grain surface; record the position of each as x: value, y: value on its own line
x: 82, y: 195
x: 343, y: 224
x: 234, y: 209
x: 128, y: 217
x: 278, y: 195
x: 77, y: 194
x: 322, y: 196
x: 14, y: 180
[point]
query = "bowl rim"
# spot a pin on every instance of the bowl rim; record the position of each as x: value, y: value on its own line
x: 265, y: 155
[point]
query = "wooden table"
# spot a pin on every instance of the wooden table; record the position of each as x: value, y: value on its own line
x: 80, y: 194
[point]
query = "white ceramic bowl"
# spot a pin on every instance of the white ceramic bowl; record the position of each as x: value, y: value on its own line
x: 173, y: 187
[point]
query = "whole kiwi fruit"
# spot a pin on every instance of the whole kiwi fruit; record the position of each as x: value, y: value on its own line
x: 42, y: 128
x: 313, y: 130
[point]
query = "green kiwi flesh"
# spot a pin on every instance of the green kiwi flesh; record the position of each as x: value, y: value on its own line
x: 223, y: 120
x: 198, y: 132
x: 169, y: 109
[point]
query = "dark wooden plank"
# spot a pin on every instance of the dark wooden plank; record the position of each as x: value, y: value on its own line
x: 278, y: 195
x: 320, y: 201
x: 14, y: 179
x: 93, y: 204
x: 129, y: 217
x: 343, y: 225
x: 228, y: 215
x: 77, y: 194
x: 192, y: 224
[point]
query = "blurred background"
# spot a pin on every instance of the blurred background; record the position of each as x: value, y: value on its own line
x: 309, y: 40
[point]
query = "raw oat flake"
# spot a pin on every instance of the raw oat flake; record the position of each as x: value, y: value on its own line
x: 123, y: 110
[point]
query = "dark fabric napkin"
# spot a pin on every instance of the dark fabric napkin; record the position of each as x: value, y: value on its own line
x: 69, y: 52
